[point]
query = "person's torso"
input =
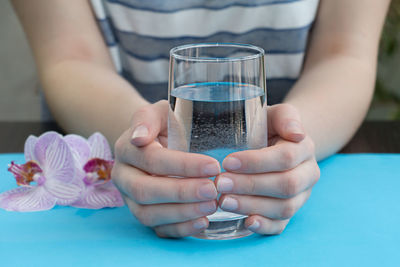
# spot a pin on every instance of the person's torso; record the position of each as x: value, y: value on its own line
x: 141, y: 33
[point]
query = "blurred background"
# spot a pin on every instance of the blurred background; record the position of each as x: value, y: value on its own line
x: 19, y: 86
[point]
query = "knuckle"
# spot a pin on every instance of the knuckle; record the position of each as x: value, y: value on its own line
x: 180, y: 231
x: 116, y: 178
x: 144, y: 216
x: 138, y: 192
x: 142, y: 111
x: 160, y: 233
x: 114, y: 172
x: 317, y: 173
x: 289, y: 185
x: 280, y: 229
x: 149, y: 163
x: 119, y: 146
x: 288, y: 108
x: 171, y: 231
x: 162, y: 106
x: 288, y: 158
x: 311, y: 146
x: 251, y: 185
x: 162, y: 103
x: 185, y: 167
x: 252, y: 162
x: 182, y: 191
x: 288, y: 210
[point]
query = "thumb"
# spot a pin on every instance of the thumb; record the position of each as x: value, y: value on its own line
x: 148, y: 122
x: 284, y: 120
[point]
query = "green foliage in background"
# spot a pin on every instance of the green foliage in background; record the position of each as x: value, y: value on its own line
x: 389, y: 47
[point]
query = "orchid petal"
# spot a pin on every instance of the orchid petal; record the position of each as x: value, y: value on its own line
x: 29, y: 148
x: 99, y: 147
x: 42, y: 144
x: 57, y: 161
x: 79, y: 146
x: 97, y: 197
x: 65, y: 193
x: 26, y: 199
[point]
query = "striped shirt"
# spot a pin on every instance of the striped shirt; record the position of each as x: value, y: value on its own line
x: 140, y: 34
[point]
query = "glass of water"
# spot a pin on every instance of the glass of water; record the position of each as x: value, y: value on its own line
x: 217, y: 106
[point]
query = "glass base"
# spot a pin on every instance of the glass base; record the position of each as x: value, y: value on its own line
x: 221, y: 229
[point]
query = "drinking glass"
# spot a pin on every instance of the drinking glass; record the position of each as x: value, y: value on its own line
x: 217, y: 106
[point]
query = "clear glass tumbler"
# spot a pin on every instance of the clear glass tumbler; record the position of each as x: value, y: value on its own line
x: 217, y: 106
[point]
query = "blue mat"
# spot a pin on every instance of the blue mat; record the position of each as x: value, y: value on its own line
x: 351, y: 219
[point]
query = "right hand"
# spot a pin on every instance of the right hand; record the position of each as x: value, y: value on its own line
x: 173, y: 207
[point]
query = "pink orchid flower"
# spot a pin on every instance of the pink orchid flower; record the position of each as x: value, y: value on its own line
x: 95, y: 160
x: 51, y: 166
x: 60, y: 170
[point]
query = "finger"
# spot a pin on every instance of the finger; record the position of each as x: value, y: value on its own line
x: 148, y: 122
x: 158, y: 160
x: 273, y: 208
x: 160, y: 214
x: 280, y: 157
x: 274, y: 184
x: 265, y: 226
x: 148, y: 189
x: 184, y: 229
x: 284, y: 120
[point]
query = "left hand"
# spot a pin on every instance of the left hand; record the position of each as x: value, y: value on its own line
x: 271, y: 184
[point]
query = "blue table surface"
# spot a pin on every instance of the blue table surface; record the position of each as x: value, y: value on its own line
x: 351, y: 219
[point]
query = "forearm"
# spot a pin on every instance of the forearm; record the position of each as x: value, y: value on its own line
x: 85, y: 97
x: 337, y: 83
x: 82, y: 88
x: 333, y: 97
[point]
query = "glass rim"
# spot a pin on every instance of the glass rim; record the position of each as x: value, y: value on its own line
x: 258, y: 52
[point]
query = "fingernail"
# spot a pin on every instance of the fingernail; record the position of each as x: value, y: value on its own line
x: 229, y: 204
x: 207, y: 207
x: 254, y: 226
x: 208, y: 191
x: 231, y: 163
x: 140, y: 131
x: 211, y: 169
x: 200, y: 224
x: 294, y: 127
x: 224, y: 184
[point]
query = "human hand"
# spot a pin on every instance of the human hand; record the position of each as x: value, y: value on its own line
x: 272, y: 183
x: 173, y: 207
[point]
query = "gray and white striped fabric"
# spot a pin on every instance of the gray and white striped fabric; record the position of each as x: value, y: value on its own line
x: 140, y: 34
